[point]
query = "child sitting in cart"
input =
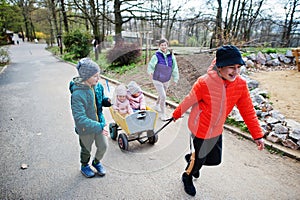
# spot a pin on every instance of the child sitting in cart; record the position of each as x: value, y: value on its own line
x: 121, y: 103
x: 136, y: 97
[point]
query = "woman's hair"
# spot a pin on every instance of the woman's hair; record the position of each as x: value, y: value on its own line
x: 163, y: 40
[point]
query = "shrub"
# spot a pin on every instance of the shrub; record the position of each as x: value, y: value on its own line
x: 4, y: 57
x: 77, y: 43
x: 192, y: 41
x: 174, y: 43
x: 268, y: 51
x: 124, y: 54
x: 69, y: 57
x: 109, y: 38
x: 41, y: 35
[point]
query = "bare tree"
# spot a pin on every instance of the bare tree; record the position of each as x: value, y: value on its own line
x: 216, y: 39
x: 251, y: 18
x: 240, y: 17
x: 290, y: 9
x: 124, y: 14
x: 163, y: 15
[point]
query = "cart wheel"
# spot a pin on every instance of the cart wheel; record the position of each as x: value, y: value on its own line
x: 113, y: 130
x: 151, y: 137
x: 123, y: 141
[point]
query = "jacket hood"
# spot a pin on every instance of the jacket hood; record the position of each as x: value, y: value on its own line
x: 212, y: 71
x: 77, y: 84
x: 211, y: 67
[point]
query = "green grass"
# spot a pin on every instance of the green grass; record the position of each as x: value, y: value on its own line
x: 273, y: 150
x: 174, y: 99
x: 255, y: 50
x: 55, y: 50
x: 121, y: 70
x: 241, y: 125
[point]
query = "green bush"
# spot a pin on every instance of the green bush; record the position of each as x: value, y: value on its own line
x: 77, y: 43
x: 174, y: 43
x: 268, y: 51
x: 124, y: 54
x: 192, y: 41
x: 54, y: 49
x: 109, y: 38
x: 4, y: 57
x: 123, y: 69
x: 69, y: 57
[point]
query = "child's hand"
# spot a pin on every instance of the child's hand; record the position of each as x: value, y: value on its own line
x: 260, y: 144
x: 151, y: 76
x: 176, y: 115
x: 104, y: 131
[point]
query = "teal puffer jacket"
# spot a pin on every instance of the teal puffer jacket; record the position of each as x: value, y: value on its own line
x: 86, y: 105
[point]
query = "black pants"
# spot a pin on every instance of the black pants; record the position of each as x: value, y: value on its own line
x: 207, y: 152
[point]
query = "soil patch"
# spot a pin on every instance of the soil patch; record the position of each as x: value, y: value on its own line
x: 283, y: 86
x: 190, y: 68
x: 284, y: 90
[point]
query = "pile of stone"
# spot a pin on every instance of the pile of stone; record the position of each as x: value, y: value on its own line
x: 275, y: 126
x: 269, y: 62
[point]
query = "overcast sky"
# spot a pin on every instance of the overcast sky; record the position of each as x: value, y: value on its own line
x: 273, y: 7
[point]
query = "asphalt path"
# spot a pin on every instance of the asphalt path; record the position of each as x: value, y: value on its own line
x: 37, y: 129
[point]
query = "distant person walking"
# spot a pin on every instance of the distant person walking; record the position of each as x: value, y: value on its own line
x: 211, y: 99
x: 161, y: 68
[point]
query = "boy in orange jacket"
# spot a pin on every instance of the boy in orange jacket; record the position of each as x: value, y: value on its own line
x: 212, y: 98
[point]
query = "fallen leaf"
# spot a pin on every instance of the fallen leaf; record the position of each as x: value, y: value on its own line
x: 24, y: 166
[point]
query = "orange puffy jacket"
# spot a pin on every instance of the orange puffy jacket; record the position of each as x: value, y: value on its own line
x: 212, y: 99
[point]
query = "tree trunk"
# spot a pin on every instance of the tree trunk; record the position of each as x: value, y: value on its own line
x: 53, y: 11
x: 239, y: 20
x: 103, y: 24
x: 235, y: 22
x: 85, y: 11
x: 218, y: 28
x: 228, y: 21
x: 118, y: 21
x: 64, y: 14
x: 289, y: 28
x: 25, y: 14
x: 51, y: 31
x: 252, y: 21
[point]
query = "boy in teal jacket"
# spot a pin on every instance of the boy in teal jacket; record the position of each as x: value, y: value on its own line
x: 87, y: 100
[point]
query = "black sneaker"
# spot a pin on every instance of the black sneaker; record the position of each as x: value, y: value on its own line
x: 187, y: 159
x: 189, y: 187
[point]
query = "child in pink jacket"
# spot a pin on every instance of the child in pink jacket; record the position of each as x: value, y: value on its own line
x: 135, y: 96
x: 121, y: 103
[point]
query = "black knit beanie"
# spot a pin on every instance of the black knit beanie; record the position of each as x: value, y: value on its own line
x: 228, y: 55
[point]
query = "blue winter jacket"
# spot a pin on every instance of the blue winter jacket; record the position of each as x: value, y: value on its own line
x: 86, y: 105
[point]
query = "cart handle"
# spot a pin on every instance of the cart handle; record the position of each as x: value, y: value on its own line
x: 141, y: 115
x: 168, y: 121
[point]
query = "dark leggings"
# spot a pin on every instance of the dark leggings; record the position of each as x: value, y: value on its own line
x: 207, y: 152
